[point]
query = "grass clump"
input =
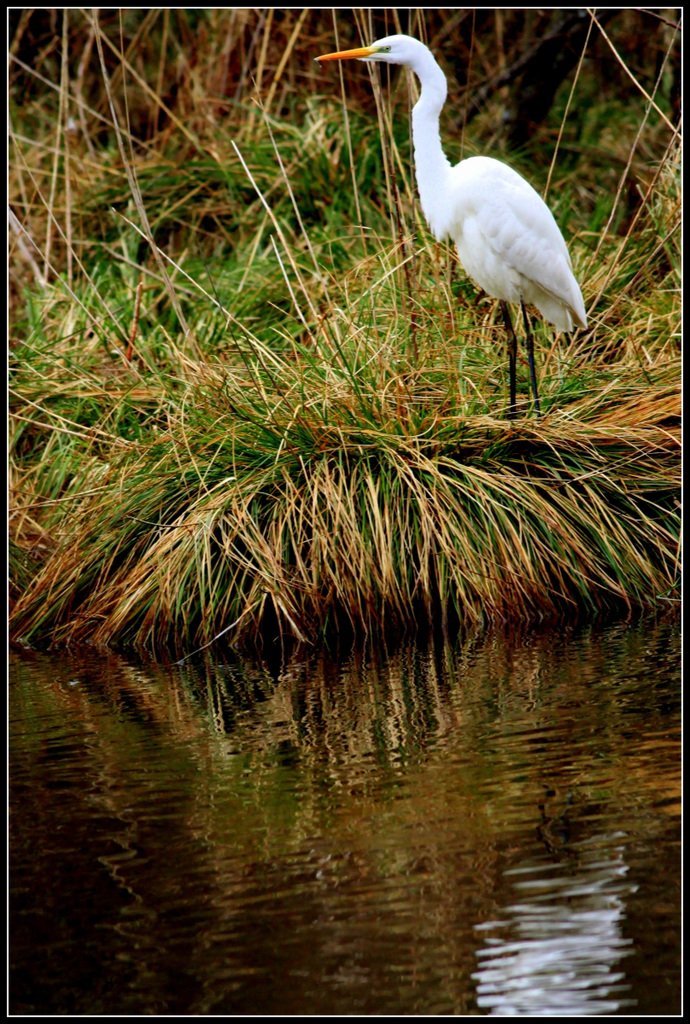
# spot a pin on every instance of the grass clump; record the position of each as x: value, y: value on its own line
x: 246, y: 396
x: 314, y: 497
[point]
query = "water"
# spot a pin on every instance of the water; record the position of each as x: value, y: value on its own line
x: 488, y: 827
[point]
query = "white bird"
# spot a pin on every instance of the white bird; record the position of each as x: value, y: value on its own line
x: 507, y: 239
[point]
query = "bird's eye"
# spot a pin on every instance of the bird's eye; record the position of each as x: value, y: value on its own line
x: 384, y: 49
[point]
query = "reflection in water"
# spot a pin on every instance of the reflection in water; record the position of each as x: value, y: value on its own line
x: 323, y: 836
x: 564, y: 938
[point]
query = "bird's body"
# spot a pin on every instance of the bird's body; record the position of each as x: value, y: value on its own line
x: 507, y: 239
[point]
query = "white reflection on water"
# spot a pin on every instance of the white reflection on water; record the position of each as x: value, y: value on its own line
x: 564, y: 938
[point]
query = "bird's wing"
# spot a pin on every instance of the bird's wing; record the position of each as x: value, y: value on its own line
x: 520, y: 228
x: 513, y: 222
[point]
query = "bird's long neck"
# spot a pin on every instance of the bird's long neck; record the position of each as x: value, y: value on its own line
x: 431, y: 163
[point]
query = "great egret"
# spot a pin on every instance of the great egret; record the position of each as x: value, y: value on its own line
x: 507, y: 239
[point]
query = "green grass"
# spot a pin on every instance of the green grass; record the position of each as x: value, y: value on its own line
x: 308, y: 431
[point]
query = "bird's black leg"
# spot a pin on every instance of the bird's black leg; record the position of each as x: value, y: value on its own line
x: 530, y: 355
x: 512, y: 360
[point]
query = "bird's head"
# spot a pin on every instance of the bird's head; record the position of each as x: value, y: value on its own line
x: 391, y: 50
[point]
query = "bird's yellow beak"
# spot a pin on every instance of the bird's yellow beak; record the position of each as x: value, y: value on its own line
x: 359, y: 52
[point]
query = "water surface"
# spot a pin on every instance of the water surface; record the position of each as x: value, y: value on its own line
x: 484, y: 827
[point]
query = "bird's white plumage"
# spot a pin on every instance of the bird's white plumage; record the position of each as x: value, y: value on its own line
x: 507, y: 239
